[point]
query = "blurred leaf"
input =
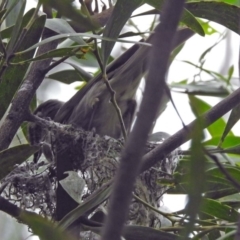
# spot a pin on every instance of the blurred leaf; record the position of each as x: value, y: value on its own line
x: 196, y: 172
x: 230, y: 198
x: 43, y: 228
x: 11, y: 18
x: 6, y: 33
x: 187, y: 18
x: 219, y: 210
x: 62, y: 26
x: 60, y: 52
x: 208, y: 29
x: 65, y: 35
x: 92, y: 202
x: 229, y: 141
x: 232, y: 120
x: 219, y: 12
x: 16, y: 29
x: 211, y: 73
x: 233, y: 150
x: 14, y: 75
x: 68, y: 76
x: 199, y: 107
x: 66, y: 9
x: 230, y: 73
x: 202, y: 88
x: 146, y: 233
x: 121, y: 13
x: 15, y: 155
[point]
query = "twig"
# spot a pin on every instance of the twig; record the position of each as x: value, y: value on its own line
x: 224, y: 171
x: 111, y: 91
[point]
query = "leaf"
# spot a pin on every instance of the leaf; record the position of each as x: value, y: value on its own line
x: 121, y: 13
x: 146, y: 233
x: 16, y: 29
x: 95, y: 200
x: 199, y: 107
x: 43, y: 228
x: 62, y: 26
x: 6, y: 33
x: 66, y: 9
x: 202, y: 88
x: 65, y: 35
x: 196, y: 187
x: 69, y: 76
x: 14, y: 75
x: 60, y: 52
x: 15, y: 155
x: 232, y: 120
x: 219, y: 210
x: 219, y: 12
x: 229, y: 141
x: 187, y: 18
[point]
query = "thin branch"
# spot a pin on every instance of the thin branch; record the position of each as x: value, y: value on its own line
x: 111, y: 91
x: 129, y: 164
x: 224, y: 171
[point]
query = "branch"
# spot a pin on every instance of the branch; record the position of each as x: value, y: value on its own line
x: 184, y: 134
x: 23, y: 97
x: 129, y: 163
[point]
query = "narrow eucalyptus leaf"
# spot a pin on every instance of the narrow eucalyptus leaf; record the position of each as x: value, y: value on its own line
x: 16, y: 29
x: 232, y: 120
x: 121, y: 13
x: 15, y: 155
x: 14, y: 75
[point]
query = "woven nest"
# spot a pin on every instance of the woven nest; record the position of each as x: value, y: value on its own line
x: 32, y: 186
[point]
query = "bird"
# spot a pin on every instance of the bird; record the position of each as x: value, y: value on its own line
x: 91, y: 107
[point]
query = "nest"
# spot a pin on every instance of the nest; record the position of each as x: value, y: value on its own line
x: 32, y: 185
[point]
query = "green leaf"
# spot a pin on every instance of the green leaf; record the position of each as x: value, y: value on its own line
x: 196, y: 187
x: 219, y: 12
x: 65, y: 35
x: 219, y: 210
x: 6, y: 33
x: 43, y: 227
x: 66, y: 9
x: 121, y: 13
x: 16, y: 29
x: 14, y: 75
x: 232, y: 120
x: 68, y: 76
x: 91, y: 203
x: 146, y: 233
x: 199, y: 107
x: 15, y: 155
x: 187, y: 18
x: 202, y: 88
x: 229, y: 141
x: 62, y: 26
x: 60, y: 52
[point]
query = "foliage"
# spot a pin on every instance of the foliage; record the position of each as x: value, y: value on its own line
x: 209, y: 172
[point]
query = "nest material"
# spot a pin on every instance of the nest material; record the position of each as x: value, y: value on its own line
x: 32, y: 185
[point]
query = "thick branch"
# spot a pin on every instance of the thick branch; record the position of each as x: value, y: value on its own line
x: 23, y: 97
x: 129, y: 164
